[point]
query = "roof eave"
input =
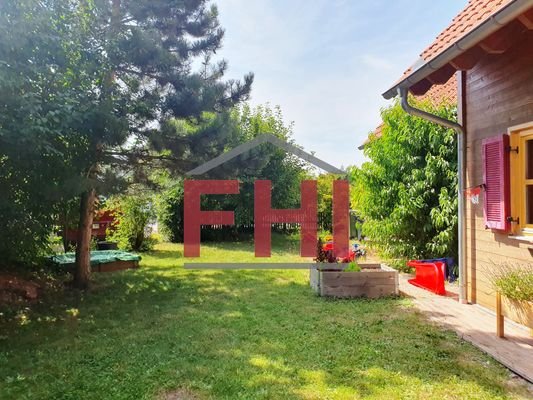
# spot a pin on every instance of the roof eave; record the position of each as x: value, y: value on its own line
x: 481, y: 32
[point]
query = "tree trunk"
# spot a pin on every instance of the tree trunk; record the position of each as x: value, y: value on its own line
x: 82, y: 272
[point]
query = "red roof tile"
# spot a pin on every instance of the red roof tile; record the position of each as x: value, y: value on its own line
x: 439, y: 93
x: 474, y: 14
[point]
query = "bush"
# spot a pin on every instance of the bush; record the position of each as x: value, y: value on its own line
x: 353, y: 267
x: 407, y: 192
x: 169, y: 208
x: 132, y: 214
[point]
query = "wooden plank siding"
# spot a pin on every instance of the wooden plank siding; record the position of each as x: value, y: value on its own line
x: 498, y: 94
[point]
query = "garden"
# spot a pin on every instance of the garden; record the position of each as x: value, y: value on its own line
x: 165, y: 332
x: 106, y: 105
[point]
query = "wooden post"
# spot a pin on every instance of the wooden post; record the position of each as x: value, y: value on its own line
x: 500, y: 321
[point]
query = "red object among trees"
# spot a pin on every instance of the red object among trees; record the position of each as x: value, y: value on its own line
x: 497, y: 205
x: 429, y: 276
x: 101, y: 222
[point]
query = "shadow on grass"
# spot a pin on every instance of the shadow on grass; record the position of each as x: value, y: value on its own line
x: 234, y: 334
x: 166, y: 254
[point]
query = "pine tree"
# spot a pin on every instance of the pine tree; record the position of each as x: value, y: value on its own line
x: 93, y: 91
x: 141, y: 55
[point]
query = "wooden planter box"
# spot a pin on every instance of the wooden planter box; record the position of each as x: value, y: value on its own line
x: 518, y: 311
x: 374, y: 281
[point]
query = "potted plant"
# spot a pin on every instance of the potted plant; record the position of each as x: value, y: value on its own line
x: 514, y: 294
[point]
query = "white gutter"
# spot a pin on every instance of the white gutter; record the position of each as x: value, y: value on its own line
x: 403, y: 93
x: 484, y: 30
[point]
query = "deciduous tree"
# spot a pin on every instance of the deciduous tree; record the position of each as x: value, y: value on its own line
x: 407, y: 191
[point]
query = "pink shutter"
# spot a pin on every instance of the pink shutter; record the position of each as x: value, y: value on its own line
x: 496, y: 180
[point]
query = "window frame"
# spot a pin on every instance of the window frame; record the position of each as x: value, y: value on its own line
x: 518, y: 135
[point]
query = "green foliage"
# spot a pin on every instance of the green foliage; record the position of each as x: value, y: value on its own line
x: 265, y: 162
x: 89, y: 93
x: 400, y: 264
x: 132, y: 214
x: 169, y: 210
x: 325, y: 199
x: 407, y: 192
x: 513, y: 281
x: 357, y: 187
x: 353, y: 267
x: 37, y: 140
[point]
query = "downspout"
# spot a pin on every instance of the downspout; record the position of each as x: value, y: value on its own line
x: 459, y: 129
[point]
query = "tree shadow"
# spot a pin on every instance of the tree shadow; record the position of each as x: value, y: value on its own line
x: 229, y: 334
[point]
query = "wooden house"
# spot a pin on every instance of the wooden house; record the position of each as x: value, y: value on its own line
x: 488, y: 49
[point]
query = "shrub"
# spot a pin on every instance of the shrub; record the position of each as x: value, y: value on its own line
x: 132, y: 214
x: 514, y: 282
x: 169, y: 208
x: 407, y: 192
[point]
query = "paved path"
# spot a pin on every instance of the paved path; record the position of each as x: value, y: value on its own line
x: 476, y: 325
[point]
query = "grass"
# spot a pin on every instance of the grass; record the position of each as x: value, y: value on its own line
x: 234, y: 335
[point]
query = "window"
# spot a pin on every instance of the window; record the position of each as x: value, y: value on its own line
x: 522, y: 180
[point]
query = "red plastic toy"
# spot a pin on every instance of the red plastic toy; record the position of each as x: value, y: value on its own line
x: 429, y: 276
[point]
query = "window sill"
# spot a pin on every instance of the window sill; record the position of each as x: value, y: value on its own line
x: 528, y: 239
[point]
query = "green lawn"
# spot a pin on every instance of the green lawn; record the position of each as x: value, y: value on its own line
x: 234, y: 335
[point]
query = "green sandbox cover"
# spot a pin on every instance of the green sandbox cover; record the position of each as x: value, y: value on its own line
x: 97, y: 257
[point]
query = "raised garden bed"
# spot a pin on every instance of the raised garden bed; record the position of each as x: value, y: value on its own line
x: 373, y: 281
x: 518, y: 311
x: 101, y: 260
